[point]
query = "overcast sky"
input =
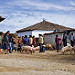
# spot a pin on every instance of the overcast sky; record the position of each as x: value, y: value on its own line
x: 23, y: 13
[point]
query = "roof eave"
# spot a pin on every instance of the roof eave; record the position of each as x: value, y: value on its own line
x: 1, y: 19
x: 23, y: 31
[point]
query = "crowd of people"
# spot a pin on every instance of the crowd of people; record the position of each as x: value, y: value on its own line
x: 29, y: 41
x: 59, y: 40
x: 6, y: 42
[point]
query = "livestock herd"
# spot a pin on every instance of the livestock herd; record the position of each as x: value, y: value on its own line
x: 29, y: 49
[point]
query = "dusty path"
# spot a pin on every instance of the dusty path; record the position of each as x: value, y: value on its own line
x: 48, y: 63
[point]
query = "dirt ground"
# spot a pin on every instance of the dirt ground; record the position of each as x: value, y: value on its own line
x: 48, y: 63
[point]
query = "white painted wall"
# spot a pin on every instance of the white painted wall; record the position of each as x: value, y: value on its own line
x: 24, y: 33
x: 37, y: 32
x: 33, y: 33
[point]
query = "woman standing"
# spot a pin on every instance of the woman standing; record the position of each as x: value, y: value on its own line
x: 34, y: 41
x: 30, y: 40
x: 1, y: 38
x: 6, y: 42
x: 58, y: 43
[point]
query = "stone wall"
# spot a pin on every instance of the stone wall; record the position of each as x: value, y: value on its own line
x: 50, y: 38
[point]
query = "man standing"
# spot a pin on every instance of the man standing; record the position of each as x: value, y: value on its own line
x: 10, y: 40
x: 41, y: 42
x: 64, y: 39
x: 6, y: 42
x: 26, y: 40
x: 72, y: 40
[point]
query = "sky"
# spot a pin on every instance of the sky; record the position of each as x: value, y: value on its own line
x: 23, y: 13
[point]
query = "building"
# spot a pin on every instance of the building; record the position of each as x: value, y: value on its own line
x: 50, y: 37
x: 41, y: 28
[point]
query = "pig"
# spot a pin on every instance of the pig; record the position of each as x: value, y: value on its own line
x: 26, y: 49
x: 67, y: 48
x: 35, y: 48
x: 73, y: 48
x: 49, y: 46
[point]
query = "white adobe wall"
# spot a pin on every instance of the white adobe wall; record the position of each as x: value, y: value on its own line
x: 37, y: 32
x: 24, y: 33
x: 33, y: 33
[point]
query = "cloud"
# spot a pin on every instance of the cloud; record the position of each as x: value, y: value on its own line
x: 19, y: 20
x: 39, y: 5
x: 23, y: 13
x: 72, y: 3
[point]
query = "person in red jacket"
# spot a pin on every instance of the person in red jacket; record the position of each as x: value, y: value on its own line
x: 22, y: 43
x: 34, y: 41
x: 19, y: 43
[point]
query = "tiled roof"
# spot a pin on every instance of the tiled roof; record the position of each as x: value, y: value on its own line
x: 45, y: 25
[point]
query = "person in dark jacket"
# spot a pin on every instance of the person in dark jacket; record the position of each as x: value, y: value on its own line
x: 10, y: 40
x: 1, y: 41
x: 13, y: 42
x: 72, y: 39
x: 64, y: 39
x: 6, y: 42
x: 26, y: 40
